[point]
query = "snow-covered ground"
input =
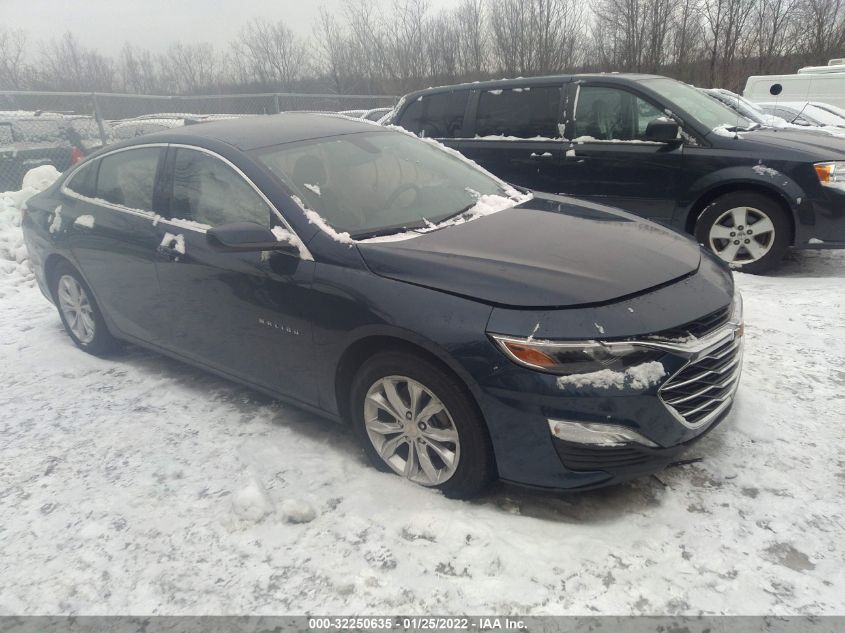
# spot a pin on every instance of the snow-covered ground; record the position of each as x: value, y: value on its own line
x: 141, y: 485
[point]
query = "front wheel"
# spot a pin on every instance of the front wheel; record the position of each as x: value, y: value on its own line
x: 419, y: 422
x: 749, y: 231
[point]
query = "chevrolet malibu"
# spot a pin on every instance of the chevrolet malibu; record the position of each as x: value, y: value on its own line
x: 467, y: 330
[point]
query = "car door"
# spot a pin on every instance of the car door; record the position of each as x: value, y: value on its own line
x: 515, y: 134
x: 107, y: 213
x: 610, y: 160
x: 238, y: 313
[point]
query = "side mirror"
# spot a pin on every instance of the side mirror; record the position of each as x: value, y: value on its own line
x: 662, y: 130
x: 246, y: 237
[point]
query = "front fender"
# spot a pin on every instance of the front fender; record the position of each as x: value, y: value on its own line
x: 756, y: 177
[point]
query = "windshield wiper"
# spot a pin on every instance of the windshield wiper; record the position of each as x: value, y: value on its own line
x: 387, y: 230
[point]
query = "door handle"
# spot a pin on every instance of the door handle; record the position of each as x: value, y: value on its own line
x: 172, y: 246
x: 170, y: 253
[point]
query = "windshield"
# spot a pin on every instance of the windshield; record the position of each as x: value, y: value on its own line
x: 840, y: 112
x: 376, y: 183
x: 823, y: 115
x: 711, y: 113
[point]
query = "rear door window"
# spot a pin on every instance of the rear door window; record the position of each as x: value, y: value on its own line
x: 524, y: 112
x: 439, y: 115
x: 208, y: 191
x: 128, y: 178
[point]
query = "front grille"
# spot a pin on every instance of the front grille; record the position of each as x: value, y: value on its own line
x: 698, y: 328
x: 706, y: 384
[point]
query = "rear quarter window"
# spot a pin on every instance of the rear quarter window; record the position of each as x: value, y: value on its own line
x: 439, y: 115
x: 84, y: 180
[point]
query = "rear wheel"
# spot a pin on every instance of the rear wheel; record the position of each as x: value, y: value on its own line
x: 79, y: 312
x: 417, y: 421
x: 748, y: 230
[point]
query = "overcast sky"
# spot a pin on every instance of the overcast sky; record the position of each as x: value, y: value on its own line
x: 107, y: 24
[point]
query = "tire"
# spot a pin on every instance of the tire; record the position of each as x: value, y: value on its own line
x: 745, y: 249
x: 472, y: 467
x: 84, y: 323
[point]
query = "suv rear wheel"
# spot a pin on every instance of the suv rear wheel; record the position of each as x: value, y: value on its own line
x: 748, y: 230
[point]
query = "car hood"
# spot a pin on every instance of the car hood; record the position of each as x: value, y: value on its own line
x: 818, y: 143
x: 547, y: 252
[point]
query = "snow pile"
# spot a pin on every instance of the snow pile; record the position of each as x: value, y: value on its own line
x: 639, y: 376
x: 297, y: 511
x: 12, y: 248
x: 251, y: 501
x: 313, y: 188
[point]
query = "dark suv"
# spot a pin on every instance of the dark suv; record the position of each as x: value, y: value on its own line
x: 653, y: 146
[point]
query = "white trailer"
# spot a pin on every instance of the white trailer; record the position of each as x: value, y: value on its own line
x: 825, y: 84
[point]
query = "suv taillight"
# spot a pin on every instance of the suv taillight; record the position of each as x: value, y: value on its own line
x: 76, y: 155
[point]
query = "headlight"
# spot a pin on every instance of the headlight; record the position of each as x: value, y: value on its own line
x: 831, y: 174
x: 575, y: 358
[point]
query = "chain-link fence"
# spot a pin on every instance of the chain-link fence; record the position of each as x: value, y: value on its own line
x: 59, y: 128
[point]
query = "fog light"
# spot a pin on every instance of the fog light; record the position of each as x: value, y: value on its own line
x: 596, y: 434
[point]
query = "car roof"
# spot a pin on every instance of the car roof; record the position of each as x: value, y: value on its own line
x: 263, y: 130
x: 534, y: 81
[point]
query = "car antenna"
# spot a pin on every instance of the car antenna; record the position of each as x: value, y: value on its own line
x: 807, y: 99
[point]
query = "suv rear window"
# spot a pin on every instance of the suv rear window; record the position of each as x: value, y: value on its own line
x: 440, y: 115
x: 522, y: 112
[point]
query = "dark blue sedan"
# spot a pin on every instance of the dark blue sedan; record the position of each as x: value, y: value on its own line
x: 466, y: 329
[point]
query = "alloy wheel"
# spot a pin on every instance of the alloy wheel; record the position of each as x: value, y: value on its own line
x: 412, y: 430
x: 76, y: 308
x: 742, y: 235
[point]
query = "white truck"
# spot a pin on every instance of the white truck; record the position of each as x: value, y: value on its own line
x: 824, y: 84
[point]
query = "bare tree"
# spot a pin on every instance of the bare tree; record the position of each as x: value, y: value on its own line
x: 725, y: 22
x: 13, y: 69
x: 137, y: 70
x: 67, y: 65
x: 190, y: 68
x: 536, y: 36
x: 471, y: 32
x: 687, y: 37
x: 772, y: 32
x: 273, y: 54
x: 824, y: 29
